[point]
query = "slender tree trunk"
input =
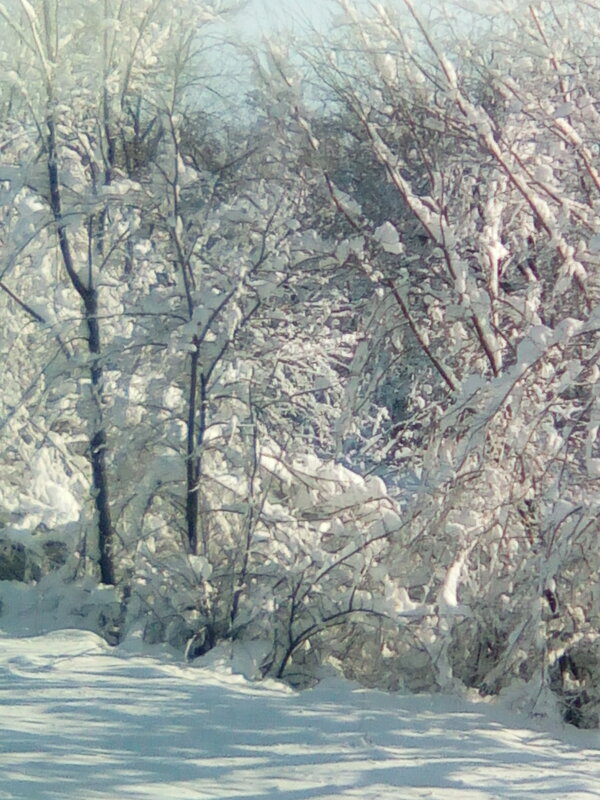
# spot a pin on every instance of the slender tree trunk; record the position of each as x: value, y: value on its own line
x: 250, y: 520
x: 192, y: 461
x: 89, y: 299
x: 196, y: 427
x: 98, y: 446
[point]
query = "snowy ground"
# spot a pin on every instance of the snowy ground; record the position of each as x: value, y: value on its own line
x: 81, y: 721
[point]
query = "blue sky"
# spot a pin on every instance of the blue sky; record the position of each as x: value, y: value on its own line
x: 267, y: 16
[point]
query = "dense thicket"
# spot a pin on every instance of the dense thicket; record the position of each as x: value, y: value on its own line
x: 317, y: 368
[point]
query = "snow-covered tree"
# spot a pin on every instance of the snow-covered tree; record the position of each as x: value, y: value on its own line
x: 486, y: 264
x: 77, y: 145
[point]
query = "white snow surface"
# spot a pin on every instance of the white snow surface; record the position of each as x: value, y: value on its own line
x: 80, y: 719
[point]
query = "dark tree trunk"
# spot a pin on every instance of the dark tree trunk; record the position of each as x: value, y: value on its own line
x: 98, y: 445
x: 89, y: 299
x: 193, y: 466
x: 196, y: 426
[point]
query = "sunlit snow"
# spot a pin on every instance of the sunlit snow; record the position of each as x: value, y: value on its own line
x: 82, y: 720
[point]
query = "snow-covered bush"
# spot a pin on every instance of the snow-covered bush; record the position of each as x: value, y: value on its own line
x: 488, y: 261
